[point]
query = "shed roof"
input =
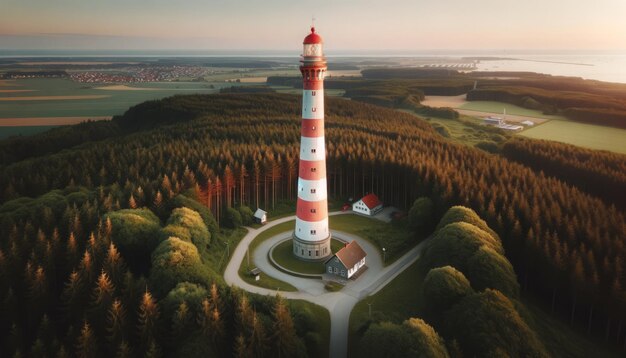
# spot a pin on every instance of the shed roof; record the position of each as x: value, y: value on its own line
x: 350, y: 254
x: 259, y: 213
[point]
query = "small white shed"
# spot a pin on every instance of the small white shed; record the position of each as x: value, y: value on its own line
x: 260, y: 216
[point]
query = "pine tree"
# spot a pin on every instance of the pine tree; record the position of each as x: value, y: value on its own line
x: 148, y: 320
x: 131, y: 202
x: 86, y: 346
x: 284, y: 336
x: 181, y: 322
x: 116, y: 323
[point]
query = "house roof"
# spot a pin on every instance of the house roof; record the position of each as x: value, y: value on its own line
x: 259, y: 213
x: 371, y: 200
x: 350, y: 254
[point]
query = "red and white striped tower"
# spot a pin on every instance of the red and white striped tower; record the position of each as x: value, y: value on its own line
x: 311, y: 239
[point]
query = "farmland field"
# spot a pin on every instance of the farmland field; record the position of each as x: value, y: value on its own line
x: 115, y: 102
x: 581, y: 134
x: 497, y: 107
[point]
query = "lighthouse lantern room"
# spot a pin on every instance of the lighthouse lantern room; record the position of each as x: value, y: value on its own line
x: 311, y: 237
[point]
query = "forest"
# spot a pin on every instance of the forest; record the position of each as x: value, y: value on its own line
x: 67, y: 212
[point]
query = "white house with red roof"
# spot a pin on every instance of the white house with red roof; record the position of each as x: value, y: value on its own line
x: 368, y: 205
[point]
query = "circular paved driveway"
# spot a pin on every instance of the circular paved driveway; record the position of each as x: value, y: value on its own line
x: 340, y: 303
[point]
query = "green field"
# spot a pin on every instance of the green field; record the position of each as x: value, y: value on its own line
x: 498, y: 107
x: 117, y: 102
x: 581, y: 134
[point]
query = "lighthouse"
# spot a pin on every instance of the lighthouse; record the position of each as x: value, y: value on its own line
x: 311, y: 237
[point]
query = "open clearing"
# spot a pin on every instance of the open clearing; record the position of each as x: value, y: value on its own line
x: 51, y: 98
x: 581, y: 134
x: 488, y: 108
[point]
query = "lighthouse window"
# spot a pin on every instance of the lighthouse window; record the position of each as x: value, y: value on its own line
x: 313, y: 128
x: 317, y: 252
x: 313, y: 169
x: 312, y: 232
x: 313, y: 93
x: 312, y: 150
x: 309, y: 252
x: 312, y: 191
x: 313, y: 210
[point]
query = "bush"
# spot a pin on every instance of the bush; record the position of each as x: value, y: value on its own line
x: 488, y: 146
x: 442, y: 130
x: 176, y: 261
x: 488, y: 269
x: 487, y: 325
x: 180, y: 201
x: 136, y: 232
x: 187, y: 292
x: 455, y: 244
x: 421, y: 215
x: 247, y: 216
x: 444, y: 287
x: 187, y: 225
x: 413, y: 338
x: 233, y: 218
x: 464, y: 214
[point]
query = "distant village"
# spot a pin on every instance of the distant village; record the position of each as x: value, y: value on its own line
x: 120, y: 75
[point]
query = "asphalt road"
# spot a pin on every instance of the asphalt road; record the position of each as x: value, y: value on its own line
x: 340, y: 303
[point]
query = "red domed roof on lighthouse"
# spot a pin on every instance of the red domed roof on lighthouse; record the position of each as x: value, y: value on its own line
x: 313, y: 38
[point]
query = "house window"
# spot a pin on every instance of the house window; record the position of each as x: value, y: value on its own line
x: 343, y: 273
x: 330, y: 269
x: 312, y: 191
x: 336, y: 270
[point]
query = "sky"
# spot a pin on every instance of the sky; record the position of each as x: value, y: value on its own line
x: 346, y: 25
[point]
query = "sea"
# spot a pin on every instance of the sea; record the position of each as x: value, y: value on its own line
x: 608, y: 66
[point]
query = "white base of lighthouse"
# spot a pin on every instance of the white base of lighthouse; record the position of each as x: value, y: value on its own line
x: 317, y: 250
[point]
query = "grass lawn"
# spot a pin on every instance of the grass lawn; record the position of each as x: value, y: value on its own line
x: 394, y: 237
x: 581, y: 134
x: 283, y: 254
x: 265, y: 281
x: 396, y: 302
x: 215, y: 257
x: 497, y: 107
